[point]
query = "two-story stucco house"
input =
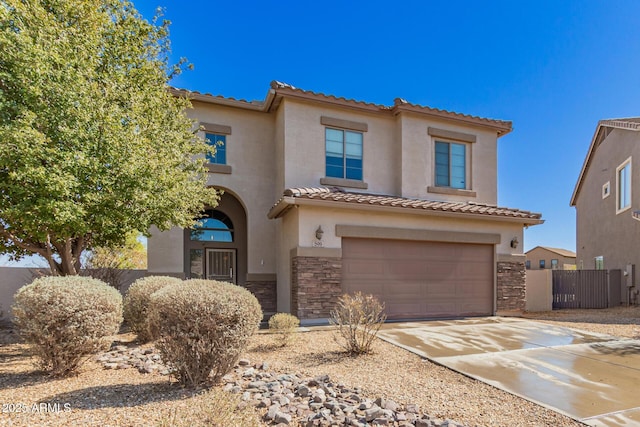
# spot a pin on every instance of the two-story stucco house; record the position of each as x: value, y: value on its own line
x: 605, y: 198
x: 325, y: 195
x: 544, y: 257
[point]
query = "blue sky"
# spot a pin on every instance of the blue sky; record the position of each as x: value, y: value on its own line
x: 554, y: 68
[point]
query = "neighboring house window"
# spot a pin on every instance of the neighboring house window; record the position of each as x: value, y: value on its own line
x: 220, y: 144
x: 554, y: 264
x: 451, y: 165
x: 599, y: 262
x: 606, y: 190
x: 214, y: 226
x: 541, y: 264
x: 527, y: 264
x: 343, y: 154
x: 623, y: 175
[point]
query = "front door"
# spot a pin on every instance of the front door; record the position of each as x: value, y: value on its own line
x: 221, y: 265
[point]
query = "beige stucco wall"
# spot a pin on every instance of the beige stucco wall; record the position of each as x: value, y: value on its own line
x: 251, y: 154
x: 418, y: 159
x: 311, y: 217
x: 304, y: 138
x: 288, y: 237
x: 165, y: 251
x: 401, y: 140
x: 600, y: 231
x: 539, y: 290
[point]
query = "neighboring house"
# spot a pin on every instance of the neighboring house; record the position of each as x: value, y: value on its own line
x: 325, y: 195
x: 542, y: 257
x: 607, y: 236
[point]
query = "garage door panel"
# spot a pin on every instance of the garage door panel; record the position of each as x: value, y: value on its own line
x: 366, y: 268
x: 421, y: 279
x: 407, y: 269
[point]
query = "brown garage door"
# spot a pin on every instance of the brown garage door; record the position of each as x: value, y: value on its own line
x: 421, y: 279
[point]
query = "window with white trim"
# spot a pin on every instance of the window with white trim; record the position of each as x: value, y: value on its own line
x: 606, y: 190
x: 623, y: 186
x: 599, y: 262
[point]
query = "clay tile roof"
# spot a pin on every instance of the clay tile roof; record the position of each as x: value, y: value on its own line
x: 335, y: 195
x: 280, y: 89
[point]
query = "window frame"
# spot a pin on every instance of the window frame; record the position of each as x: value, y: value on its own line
x: 606, y: 189
x: 211, y: 159
x: 541, y: 264
x: 554, y: 264
x: 467, y: 154
x: 627, y: 189
x: 599, y: 262
x: 344, y: 142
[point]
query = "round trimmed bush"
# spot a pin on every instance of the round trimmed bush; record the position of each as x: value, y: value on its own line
x: 202, y: 326
x: 136, y: 303
x: 285, y: 325
x: 67, y: 319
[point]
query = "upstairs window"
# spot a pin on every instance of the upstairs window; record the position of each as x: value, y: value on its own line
x: 451, y: 165
x: 343, y: 154
x: 623, y: 175
x: 220, y: 144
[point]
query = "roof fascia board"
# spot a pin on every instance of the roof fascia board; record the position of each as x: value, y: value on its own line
x: 501, y: 130
x: 261, y: 106
x: 341, y: 102
x: 278, y: 210
x: 613, y: 124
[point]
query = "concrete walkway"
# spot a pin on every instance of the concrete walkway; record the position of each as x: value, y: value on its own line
x: 590, y: 377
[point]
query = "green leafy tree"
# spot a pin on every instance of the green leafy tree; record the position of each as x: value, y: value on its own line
x: 130, y: 255
x: 92, y: 144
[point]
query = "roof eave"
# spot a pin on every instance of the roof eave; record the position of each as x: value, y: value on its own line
x: 285, y: 203
x: 610, y: 123
x: 500, y: 127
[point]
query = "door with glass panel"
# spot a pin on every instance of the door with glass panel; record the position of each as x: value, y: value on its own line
x: 221, y: 265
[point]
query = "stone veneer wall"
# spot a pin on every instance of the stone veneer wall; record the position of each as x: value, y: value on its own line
x: 316, y: 285
x: 511, y: 286
x: 265, y: 292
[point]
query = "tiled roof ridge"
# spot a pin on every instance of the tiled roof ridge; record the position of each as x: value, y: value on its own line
x: 280, y: 85
x: 398, y: 102
x: 560, y: 251
x: 401, y: 101
x: 386, y: 200
x: 220, y: 97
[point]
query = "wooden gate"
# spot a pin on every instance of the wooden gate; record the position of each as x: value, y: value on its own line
x: 586, y: 288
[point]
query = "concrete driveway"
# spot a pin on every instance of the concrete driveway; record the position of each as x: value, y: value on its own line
x: 590, y: 377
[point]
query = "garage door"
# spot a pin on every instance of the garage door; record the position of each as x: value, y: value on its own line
x: 421, y: 279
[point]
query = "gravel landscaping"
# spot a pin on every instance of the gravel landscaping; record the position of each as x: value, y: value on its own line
x: 281, y: 384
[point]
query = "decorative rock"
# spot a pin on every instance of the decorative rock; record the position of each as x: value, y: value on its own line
x: 282, y: 418
x: 290, y: 399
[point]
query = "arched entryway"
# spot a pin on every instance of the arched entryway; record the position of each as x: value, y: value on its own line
x: 216, y: 248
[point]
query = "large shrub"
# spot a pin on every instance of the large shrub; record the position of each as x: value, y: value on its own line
x: 358, y: 319
x: 202, y: 326
x: 67, y: 319
x: 136, y: 303
x: 285, y: 325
